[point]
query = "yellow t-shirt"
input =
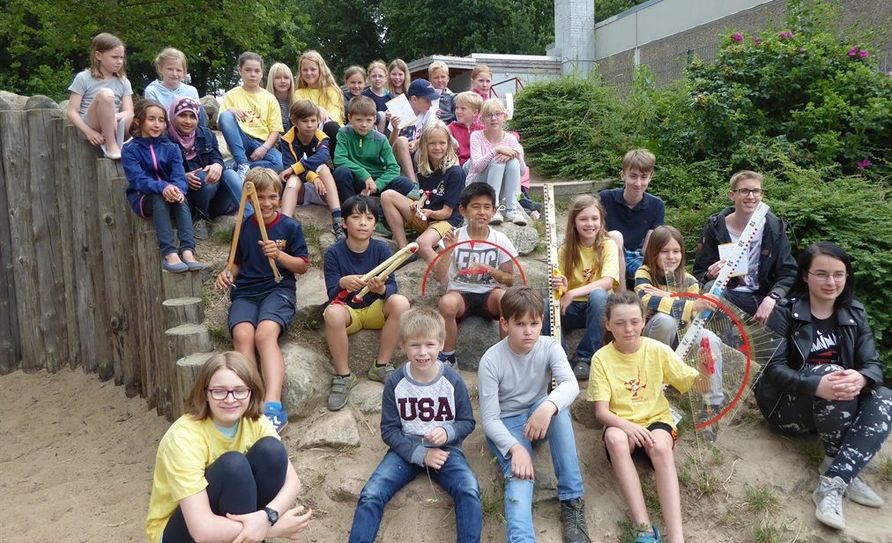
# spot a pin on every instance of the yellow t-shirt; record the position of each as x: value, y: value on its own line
x: 332, y: 101
x: 187, y: 448
x: 264, y: 115
x: 633, y: 383
x: 585, y: 273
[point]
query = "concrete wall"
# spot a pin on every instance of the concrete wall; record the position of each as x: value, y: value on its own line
x: 574, y: 44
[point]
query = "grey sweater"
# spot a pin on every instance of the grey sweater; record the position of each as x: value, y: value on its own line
x: 510, y: 384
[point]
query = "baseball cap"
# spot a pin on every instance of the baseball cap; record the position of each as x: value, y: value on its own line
x: 422, y: 88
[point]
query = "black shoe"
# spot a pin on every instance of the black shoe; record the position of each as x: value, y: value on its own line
x: 581, y: 370
x: 573, y: 526
x: 338, y: 230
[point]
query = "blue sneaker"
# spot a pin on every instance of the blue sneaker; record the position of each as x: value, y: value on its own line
x: 449, y: 360
x: 279, y: 417
x: 649, y: 536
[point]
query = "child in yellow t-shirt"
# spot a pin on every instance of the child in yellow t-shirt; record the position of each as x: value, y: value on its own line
x: 588, y: 258
x: 626, y: 384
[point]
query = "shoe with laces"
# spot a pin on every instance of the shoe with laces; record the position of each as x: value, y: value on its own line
x: 573, y: 526
x: 516, y: 217
x: 340, y: 389
x: 581, y: 369
x: 277, y: 416
x: 651, y: 535
x: 381, y: 373
x: 497, y: 218
x: 338, y: 230
x: 450, y: 360
x: 828, y: 502
x: 242, y: 171
x: 859, y: 491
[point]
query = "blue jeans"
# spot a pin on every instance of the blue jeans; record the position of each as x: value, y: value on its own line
x: 349, y: 185
x: 519, y: 492
x: 242, y: 145
x: 393, y: 473
x: 504, y: 178
x: 160, y: 211
x: 588, y: 315
x: 215, y: 199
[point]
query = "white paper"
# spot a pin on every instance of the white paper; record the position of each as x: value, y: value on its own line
x: 400, y: 107
x: 726, y: 251
x: 509, y: 104
x: 435, y: 105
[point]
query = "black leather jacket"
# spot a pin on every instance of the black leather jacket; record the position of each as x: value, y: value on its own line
x: 857, y: 350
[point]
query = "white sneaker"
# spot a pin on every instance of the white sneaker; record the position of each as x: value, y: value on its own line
x: 497, y: 218
x: 859, y: 491
x: 828, y: 502
x: 516, y: 217
x: 242, y: 171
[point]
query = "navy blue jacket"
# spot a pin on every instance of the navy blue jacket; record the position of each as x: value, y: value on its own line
x: 151, y: 164
x: 207, y: 149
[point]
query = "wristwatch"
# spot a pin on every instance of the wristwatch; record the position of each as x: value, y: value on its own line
x: 774, y: 296
x: 271, y: 515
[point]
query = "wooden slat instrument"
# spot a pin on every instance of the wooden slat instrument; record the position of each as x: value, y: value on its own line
x: 382, y: 270
x: 249, y: 191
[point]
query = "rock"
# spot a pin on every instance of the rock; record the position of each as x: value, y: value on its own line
x: 475, y: 336
x: 14, y: 100
x: 344, y: 486
x: 307, y: 376
x: 546, y: 482
x: 224, y: 150
x: 524, y: 238
x: 363, y: 351
x: 212, y: 108
x: 311, y: 297
x: 39, y: 101
x: 583, y: 411
x: 366, y: 396
x: 334, y: 430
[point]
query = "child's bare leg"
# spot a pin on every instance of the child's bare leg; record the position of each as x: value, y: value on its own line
x: 291, y: 194
x: 426, y: 243
x: 331, y: 190
x: 243, y: 340
x: 451, y: 305
x: 617, y: 238
x: 494, y: 306
x: 404, y: 158
x: 620, y: 450
x: 337, y: 319
x: 395, y: 306
x: 667, y: 483
x: 272, y: 363
x: 101, y: 115
x: 127, y: 117
x: 396, y: 209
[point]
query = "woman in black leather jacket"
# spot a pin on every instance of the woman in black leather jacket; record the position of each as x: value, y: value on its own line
x: 826, y: 377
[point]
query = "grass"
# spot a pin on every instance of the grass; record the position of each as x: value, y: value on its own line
x: 760, y: 498
x: 886, y: 468
x: 492, y: 501
x: 812, y: 450
x: 768, y: 532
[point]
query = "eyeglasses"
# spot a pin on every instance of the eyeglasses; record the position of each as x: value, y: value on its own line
x: 494, y: 115
x: 838, y: 277
x: 221, y: 394
x: 748, y: 192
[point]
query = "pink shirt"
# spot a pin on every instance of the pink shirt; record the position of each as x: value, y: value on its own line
x: 483, y: 152
x: 462, y: 136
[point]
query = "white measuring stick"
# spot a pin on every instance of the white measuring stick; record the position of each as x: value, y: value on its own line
x: 554, y: 301
x: 753, y: 228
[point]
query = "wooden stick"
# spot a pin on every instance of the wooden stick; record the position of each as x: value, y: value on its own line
x: 382, y: 270
x: 248, y: 191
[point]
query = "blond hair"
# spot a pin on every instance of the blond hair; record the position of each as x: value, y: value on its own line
x: 480, y: 69
x: 168, y: 55
x: 451, y: 158
x: 275, y: 71
x: 401, y: 65
x: 101, y: 43
x: 640, y: 159
x: 422, y: 323
x: 469, y: 99
x: 377, y: 64
x: 197, y: 402
x: 491, y: 106
x: 437, y: 65
x: 326, y: 81
x: 743, y: 175
x: 264, y: 179
x: 572, y: 259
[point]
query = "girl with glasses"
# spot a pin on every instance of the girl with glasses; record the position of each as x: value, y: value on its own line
x: 221, y: 472
x: 826, y: 377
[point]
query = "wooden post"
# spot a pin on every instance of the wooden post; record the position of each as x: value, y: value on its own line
x: 179, y: 311
x: 181, y: 285
x: 10, y: 344
x: 65, y: 180
x: 43, y: 175
x: 187, y: 369
x: 151, y: 331
x: 180, y: 341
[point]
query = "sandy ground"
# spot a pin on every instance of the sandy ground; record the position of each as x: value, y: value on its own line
x: 76, y: 459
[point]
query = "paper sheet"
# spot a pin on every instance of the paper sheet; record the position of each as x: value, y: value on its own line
x: 400, y: 107
x: 725, y: 252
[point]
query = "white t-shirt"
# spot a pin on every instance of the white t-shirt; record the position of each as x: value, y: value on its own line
x: 497, y: 250
x: 87, y: 86
x: 750, y: 281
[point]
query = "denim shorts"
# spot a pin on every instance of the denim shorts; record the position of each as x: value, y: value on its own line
x: 274, y: 306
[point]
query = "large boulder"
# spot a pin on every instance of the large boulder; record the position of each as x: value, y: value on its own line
x: 306, y: 379
x: 524, y: 238
x: 14, y: 100
x: 39, y: 101
x: 333, y: 430
x: 363, y: 351
x: 212, y: 108
x: 475, y: 336
x: 311, y: 296
x: 366, y: 396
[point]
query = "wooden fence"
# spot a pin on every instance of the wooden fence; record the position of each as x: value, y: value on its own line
x: 81, y: 284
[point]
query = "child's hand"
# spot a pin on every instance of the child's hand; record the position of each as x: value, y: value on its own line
x: 521, y: 463
x: 377, y: 285
x: 394, y: 122
x: 559, y: 283
x: 351, y: 283
x: 654, y: 291
x: 699, y: 305
x: 224, y: 280
x: 502, y: 159
x: 215, y: 171
x: 537, y: 425
x: 320, y: 187
x: 506, y: 151
x: 413, y: 145
x: 435, y: 458
x: 255, y: 526
x: 259, y: 153
x: 370, y: 187
x: 240, y: 114
x: 270, y: 248
x: 193, y: 180
x: 451, y: 237
x: 172, y: 194
x: 292, y: 522
x: 566, y: 300
x: 96, y: 138
x: 436, y: 437
x: 713, y: 271
x: 638, y: 435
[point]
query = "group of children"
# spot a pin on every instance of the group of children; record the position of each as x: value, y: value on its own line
x: 307, y: 143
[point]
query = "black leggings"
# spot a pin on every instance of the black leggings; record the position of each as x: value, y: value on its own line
x: 238, y: 484
x: 331, y: 130
x: 852, y: 431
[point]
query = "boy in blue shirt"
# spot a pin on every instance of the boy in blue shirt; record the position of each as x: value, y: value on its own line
x: 345, y: 263
x: 425, y: 415
x: 262, y: 309
x: 632, y: 212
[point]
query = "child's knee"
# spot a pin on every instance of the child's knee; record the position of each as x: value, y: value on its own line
x: 617, y: 238
x: 597, y: 298
x: 616, y: 440
x: 105, y: 95
x: 396, y: 304
x: 661, y: 452
x: 243, y: 334
x: 513, y: 166
x: 336, y: 316
x: 267, y: 333
x: 448, y: 305
x: 268, y: 451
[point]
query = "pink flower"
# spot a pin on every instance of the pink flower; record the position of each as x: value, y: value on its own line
x: 757, y: 40
x: 863, y: 54
x: 864, y: 164
x: 853, y: 52
x: 737, y: 36
x: 786, y: 35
